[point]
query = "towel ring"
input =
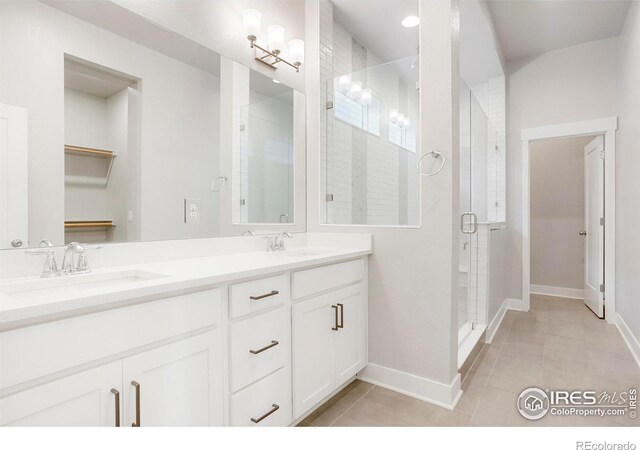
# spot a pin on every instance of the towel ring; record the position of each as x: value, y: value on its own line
x: 219, y: 182
x: 436, y: 154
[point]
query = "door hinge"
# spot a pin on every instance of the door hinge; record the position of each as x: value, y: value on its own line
x: 602, y: 288
x: 602, y: 154
x: 601, y: 221
x: 329, y: 197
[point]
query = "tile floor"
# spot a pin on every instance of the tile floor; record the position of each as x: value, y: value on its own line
x: 558, y: 344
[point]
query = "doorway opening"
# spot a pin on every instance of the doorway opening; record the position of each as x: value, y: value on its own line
x: 561, y: 164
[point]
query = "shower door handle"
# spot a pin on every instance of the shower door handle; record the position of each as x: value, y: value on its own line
x: 473, y: 223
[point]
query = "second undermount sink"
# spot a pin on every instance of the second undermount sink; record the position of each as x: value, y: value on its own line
x: 73, y: 285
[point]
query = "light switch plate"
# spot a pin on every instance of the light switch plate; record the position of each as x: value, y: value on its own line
x: 191, y: 210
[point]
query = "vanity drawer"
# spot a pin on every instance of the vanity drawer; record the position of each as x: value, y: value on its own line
x: 258, y: 346
x: 322, y: 279
x: 257, y: 295
x: 39, y: 350
x: 269, y: 395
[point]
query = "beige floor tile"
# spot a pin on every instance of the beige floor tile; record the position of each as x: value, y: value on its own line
x: 497, y: 407
x: 330, y: 411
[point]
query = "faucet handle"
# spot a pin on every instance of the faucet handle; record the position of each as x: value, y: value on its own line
x: 50, y: 265
x: 83, y: 258
x: 272, y: 242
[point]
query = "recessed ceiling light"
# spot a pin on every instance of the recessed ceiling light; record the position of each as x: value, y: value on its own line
x: 410, y: 21
x: 275, y: 81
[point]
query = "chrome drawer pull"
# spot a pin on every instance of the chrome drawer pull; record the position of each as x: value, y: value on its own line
x: 273, y: 409
x: 273, y: 344
x: 260, y: 297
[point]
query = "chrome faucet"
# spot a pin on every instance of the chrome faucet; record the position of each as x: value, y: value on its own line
x: 50, y: 266
x: 69, y: 265
x: 275, y: 242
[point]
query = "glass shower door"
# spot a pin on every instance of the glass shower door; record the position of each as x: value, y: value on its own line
x: 468, y: 237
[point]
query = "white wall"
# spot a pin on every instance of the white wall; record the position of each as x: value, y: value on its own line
x: 627, y: 178
x: 571, y: 84
x: 557, y: 212
x: 179, y: 118
x: 412, y: 320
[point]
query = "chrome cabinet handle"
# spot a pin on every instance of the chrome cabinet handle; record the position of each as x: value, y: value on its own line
x: 117, y: 396
x: 273, y: 409
x: 137, y: 386
x: 260, y: 297
x: 582, y: 233
x: 341, y: 316
x: 273, y: 344
x: 336, y: 310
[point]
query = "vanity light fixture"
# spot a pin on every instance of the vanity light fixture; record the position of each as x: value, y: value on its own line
x: 366, y: 96
x: 410, y: 21
x: 271, y: 53
x: 398, y: 118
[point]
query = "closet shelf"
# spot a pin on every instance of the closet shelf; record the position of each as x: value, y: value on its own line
x: 70, y: 224
x: 87, y: 151
x: 107, y: 155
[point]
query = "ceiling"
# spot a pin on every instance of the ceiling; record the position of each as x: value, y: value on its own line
x: 527, y: 28
x: 376, y: 24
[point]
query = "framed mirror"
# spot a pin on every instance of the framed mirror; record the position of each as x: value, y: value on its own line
x: 109, y: 135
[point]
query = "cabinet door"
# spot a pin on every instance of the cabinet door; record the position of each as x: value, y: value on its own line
x: 313, y: 352
x: 350, y: 340
x: 83, y: 399
x: 179, y: 384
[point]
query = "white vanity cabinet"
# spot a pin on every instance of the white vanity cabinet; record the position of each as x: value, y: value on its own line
x: 329, y: 332
x: 242, y: 352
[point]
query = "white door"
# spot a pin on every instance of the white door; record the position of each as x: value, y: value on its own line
x: 89, y: 398
x: 178, y: 384
x: 13, y: 177
x: 313, y: 351
x: 594, y: 226
x: 350, y: 338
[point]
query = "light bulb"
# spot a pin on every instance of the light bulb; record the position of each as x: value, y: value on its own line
x: 356, y: 89
x: 296, y: 51
x: 400, y: 118
x: 275, y: 38
x: 251, y: 22
x: 366, y: 96
x: 406, y: 122
x: 393, y: 115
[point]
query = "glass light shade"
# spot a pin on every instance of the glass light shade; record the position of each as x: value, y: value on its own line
x: 275, y: 38
x: 393, y: 115
x: 344, y: 82
x: 251, y: 21
x: 410, y: 21
x: 400, y: 118
x: 366, y: 96
x: 296, y: 51
x: 356, y: 89
x: 406, y: 122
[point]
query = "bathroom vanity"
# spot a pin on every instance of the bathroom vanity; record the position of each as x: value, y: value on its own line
x: 240, y: 339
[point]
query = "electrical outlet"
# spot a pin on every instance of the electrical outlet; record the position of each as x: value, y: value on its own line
x: 191, y: 210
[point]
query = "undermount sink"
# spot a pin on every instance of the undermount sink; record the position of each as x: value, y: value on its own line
x: 73, y: 285
x: 303, y: 252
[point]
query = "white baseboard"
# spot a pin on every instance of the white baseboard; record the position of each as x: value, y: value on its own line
x: 629, y: 338
x: 439, y: 394
x: 516, y: 304
x: 493, y: 327
x: 556, y: 291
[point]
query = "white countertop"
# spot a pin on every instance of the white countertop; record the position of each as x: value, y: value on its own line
x: 180, y: 275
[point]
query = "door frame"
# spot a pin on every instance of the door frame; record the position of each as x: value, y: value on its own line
x: 607, y: 127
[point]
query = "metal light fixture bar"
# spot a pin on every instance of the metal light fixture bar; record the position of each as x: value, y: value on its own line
x: 268, y: 54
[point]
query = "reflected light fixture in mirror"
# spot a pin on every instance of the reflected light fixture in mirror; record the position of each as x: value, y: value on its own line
x: 270, y: 54
x: 410, y: 21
